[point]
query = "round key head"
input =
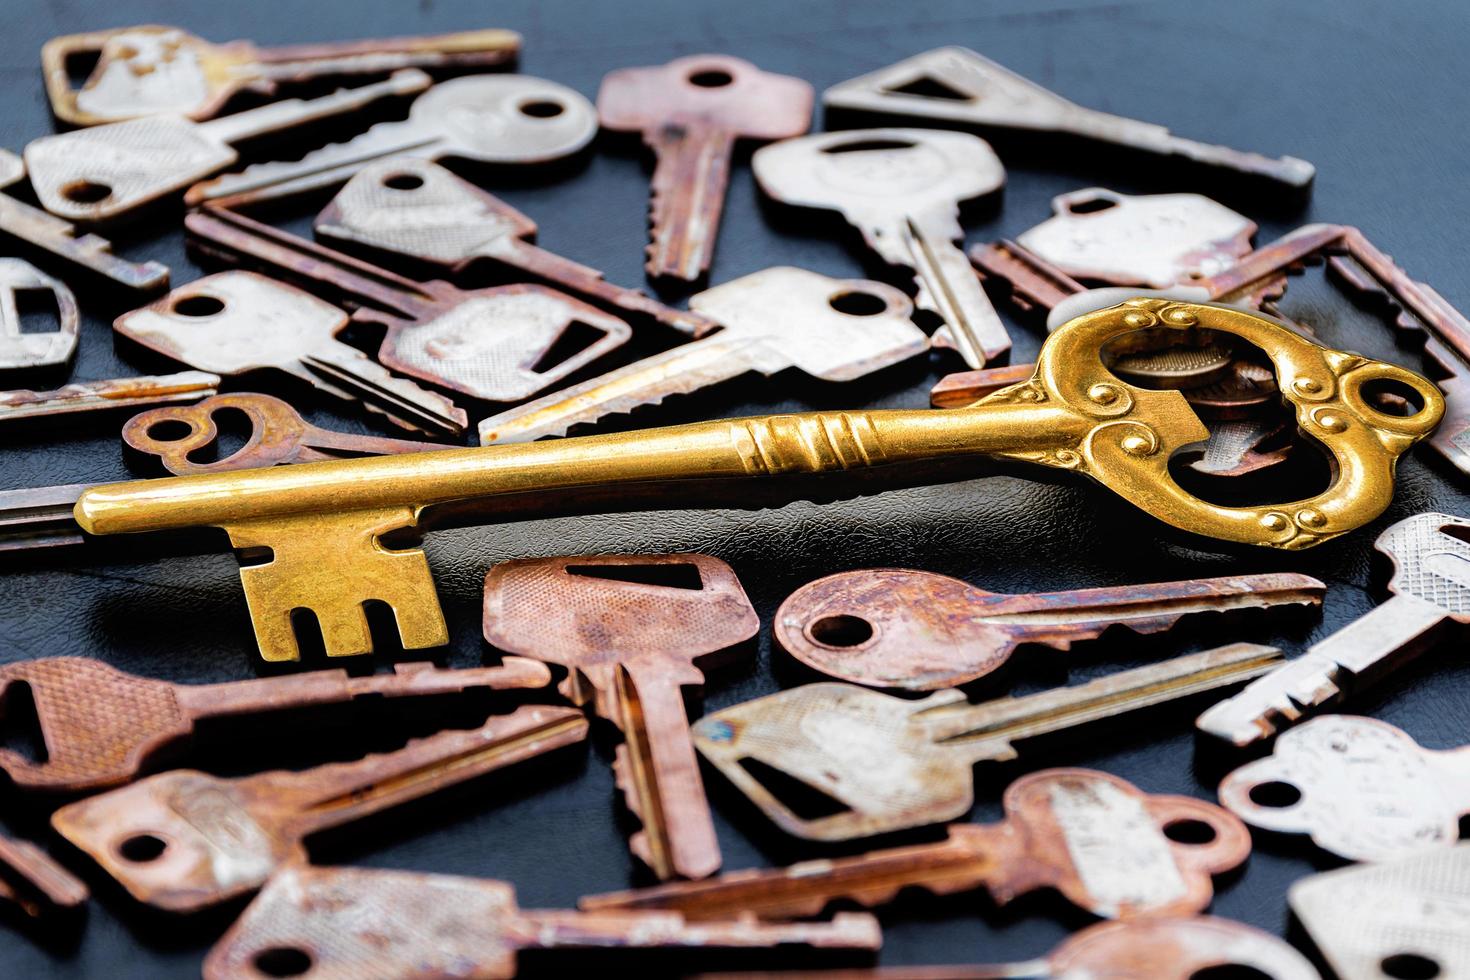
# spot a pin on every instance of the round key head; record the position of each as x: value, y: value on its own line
x: 714, y: 90
x: 506, y: 118
x: 1177, y: 949
x: 173, y: 432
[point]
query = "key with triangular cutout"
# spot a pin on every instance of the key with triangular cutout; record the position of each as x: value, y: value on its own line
x: 186, y: 840
x: 960, y: 86
x: 902, y: 189
x: 106, y: 172
x: 629, y: 629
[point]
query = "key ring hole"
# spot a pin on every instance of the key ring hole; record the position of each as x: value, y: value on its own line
x: 1409, y: 966
x: 711, y: 78
x: 1091, y: 207
x: 198, y: 306
x: 282, y: 961
x: 1392, y: 397
x: 86, y: 191
x: 1190, y: 831
x: 857, y: 303
x: 1230, y: 971
x: 403, y: 182
x: 868, y: 146
x: 142, y: 848
x: 1275, y: 795
x: 542, y: 109
x: 841, y: 630
x: 171, y: 430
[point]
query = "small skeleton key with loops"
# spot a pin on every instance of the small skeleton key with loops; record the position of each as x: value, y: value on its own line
x: 831, y: 737
x: 1108, y: 847
x: 1431, y: 588
x: 690, y: 112
x: 902, y: 189
x: 770, y: 321
x: 106, y: 172
x: 630, y: 630
x: 186, y: 840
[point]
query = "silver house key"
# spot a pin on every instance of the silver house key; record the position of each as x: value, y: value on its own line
x: 106, y: 172
x: 902, y: 189
x: 1431, y: 586
x: 24, y: 289
x: 780, y: 318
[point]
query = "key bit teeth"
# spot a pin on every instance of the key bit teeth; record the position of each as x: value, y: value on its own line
x: 1273, y: 702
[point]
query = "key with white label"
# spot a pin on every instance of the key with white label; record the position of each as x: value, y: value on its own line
x: 106, y: 172
x: 1431, y: 586
x: 902, y: 189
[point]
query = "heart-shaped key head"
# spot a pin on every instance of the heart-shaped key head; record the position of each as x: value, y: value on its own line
x: 509, y: 119
x: 24, y: 288
x: 1177, y: 949
x: 1431, y: 561
x: 710, y: 90
x: 1361, y: 788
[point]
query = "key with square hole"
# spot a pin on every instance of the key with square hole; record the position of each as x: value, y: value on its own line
x: 107, y: 172
x: 417, y: 209
x: 770, y: 321
x: 1431, y: 590
x: 154, y: 68
x: 26, y: 289
x: 186, y: 840
x: 101, y: 727
x: 236, y: 322
x: 1361, y: 788
x: 900, y: 628
x: 902, y: 189
x: 502, y: 120
x: 691, y: 112
x: 631, y: 629
x: 828, y: 736
x: 958, y: 86
x: 348, y: 922
x: 1108, y: 847
x: 496, y: 343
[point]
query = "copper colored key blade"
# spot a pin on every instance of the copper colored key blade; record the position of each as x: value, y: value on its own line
x: 34, y: 882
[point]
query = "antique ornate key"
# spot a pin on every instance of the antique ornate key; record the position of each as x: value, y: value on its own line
x: 322, y: 522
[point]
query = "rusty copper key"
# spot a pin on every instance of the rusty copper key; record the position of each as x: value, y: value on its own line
x: 690, y: 112
x: 1107, y: 846
x: 31, y: 880
x: 900, y: 628
x: 101, y: 726
x: 630, y: 629
x: 185, y: 840
x: 492, y: 343
x: 362, y: 922
x: 415, y: 208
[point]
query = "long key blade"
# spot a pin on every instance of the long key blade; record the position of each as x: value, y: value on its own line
x: 298, y: 112
x: 949, y: 288
x: 1034, y: 284
x: 33, y: 881
x: 690, y: 175
x: 481, y: 49
x: 91, y: 396
x: 40, y: 517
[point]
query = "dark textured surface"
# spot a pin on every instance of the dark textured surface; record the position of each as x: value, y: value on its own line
x: 1372, y: 95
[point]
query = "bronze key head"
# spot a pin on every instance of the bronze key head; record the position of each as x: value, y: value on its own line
x: 712, y: 90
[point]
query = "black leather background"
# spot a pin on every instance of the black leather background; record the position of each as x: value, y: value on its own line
x: 1373, y: 94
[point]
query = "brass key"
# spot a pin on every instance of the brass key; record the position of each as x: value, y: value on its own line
x: 631, y: 630
x: 321, y: 521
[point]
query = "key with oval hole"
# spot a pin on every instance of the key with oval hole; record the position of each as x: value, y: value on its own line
x: 691, y: 112
x: 1108, y: 847
x: 186, y: 840
x: 1361, y: 788
x: 770, y: 321
x: 496, y: 343
x: 348, y: 922
x: 958, y: 86
x: 502, y: 120
x: 631, y: 629
x: 1431, y: 590
x: 830, y: 737
x: 101, y: 726
x: 107, y: 172
x: 902, y: 188
x: 901, y: 628
x: 154, y: 68
x: 27, y: 291
x: 416, y: 209
x: 236, y: 322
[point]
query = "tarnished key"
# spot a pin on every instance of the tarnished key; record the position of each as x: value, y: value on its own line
x: 492, y: 119
x: 185, y: 840
x: 1431, y: 585
x: 900, y: 628
x: 24, y: 289
x: 360, y: 922
x: 33, y: 882
x: 101, y: 727
x: 497, y: 343
x: 630, y: 629
x: 1363, y: 789
x: 828, y: 737
x: 902, y: 189
x: 415, y: 208
x: 973, y: 90
x: 236, y: 322
x: 154, y: 68
x: 1108, y: 847
x: 106, y: 172
x: 690, y: 112
x: 773, y: 320
x: 115, y: 393
x: 60, y: 239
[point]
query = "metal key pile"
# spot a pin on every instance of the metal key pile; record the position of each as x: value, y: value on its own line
x: 1168, y: 374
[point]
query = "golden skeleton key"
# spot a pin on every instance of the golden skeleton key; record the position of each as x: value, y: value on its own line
x: 322, y: 524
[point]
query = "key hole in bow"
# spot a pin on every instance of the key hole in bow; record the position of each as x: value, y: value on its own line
x: 37, y: 309
x: 20, y: 723
x: 1230, y: 971
x: 1092, y: 206
x: 867, y: 146
x: 233, y: 430
x: 798, y: 796
x: 282, y: 961
x: 711, y: 78
x: 1410, y: 966
x: 670, y: 575
x: 576, y: 338
x: 542, y: 108
x: 80, y: 65
x: 928, y: 87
